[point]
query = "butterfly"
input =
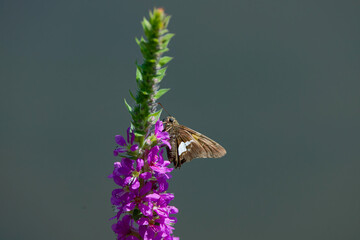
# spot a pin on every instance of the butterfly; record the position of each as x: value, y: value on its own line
x: 187, y: 144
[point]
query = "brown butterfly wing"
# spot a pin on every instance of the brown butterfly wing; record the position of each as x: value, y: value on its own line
x: 188, y: 147
x: 192, y: 144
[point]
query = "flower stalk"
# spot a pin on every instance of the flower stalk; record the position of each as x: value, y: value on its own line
x: 151, y: 72
x: 140, y: 201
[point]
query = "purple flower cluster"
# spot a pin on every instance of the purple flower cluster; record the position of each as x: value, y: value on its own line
x: 141, y: 202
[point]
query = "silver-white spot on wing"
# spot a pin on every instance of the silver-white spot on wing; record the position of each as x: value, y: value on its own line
x: 182, y: 146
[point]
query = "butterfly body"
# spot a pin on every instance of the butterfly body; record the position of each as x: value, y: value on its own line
x: 187, y: 144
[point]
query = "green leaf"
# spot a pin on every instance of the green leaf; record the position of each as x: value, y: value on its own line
x: 166, y: 21
x: 143, y: 48
x: 161, y: 74
x: 162, y: 32
x: 161, y: 92
x: 137, y: 41
x: 167, y: 37
x: 128, y: 107
x: 164, y: 45
x: 144, y: 92
x: 165, y: 40
x: 162, y: 50
x: 151, y: 14
x: 146, y: 25
x: 138, y: 134
x: 138, y: 73
x: 142, y: 44
x: 156, y: 116
x: 165, y: 60
x: 131, y: 94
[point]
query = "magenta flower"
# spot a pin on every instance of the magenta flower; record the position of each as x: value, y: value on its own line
x: 141, y: 203
x: 124, y: 147
x: 156, y: 161
x: 124, y: 229
x: 160, y: 134
x: 124, y: 174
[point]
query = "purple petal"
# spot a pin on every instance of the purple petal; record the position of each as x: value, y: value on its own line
x: 173, y: 210
x: 127, y: 134
x: 128, y: 180
x: 131, y: 238
x: 165, y: 199
x: 143, y: 221
x: 146, y: 210
x: 135, y: 184
x: 168, y: 175
x: 163, y: 186
x: 159, y: 236
x: 161, y: 159
x: 123, y: 171
x: 152, y: 196
x: 146, y: 188
x: 154, y: 150
x: 146, y: 175
x: 166, y: 163
x: 132, y: 135
x: 162, y: 135
x: 160, y: 169
x: 116, y: 196
x: 172, y: 220
x: 149, y: 234
x: 115, y: 152
x: 168, y: 196
x: 119, y: 181
x: 128, y: 163
x: 139, y: 164
x: 134, y: 147
x: 159, y: 127
x: 129, y: 206
x: 162, y: 212
x: 153, y: 154
x: 122, y: 228
x: 167, y: 143
x: 120, y: 140
x: 118, y: 150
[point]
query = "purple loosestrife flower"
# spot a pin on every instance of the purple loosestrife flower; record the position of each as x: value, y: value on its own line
x: 124, y: 229
x: 124, y: 147
x: 141, y: 203
x: 156, y: 161
x: 124, y: 174
x: 161, y: 135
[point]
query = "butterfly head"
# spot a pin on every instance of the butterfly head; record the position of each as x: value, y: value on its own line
x: 170, y: 120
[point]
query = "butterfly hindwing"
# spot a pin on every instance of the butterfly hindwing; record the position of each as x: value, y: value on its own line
x: 187, y: 144
x: 207, y: 148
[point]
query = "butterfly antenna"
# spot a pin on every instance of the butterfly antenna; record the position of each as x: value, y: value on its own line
x: 164, y: 109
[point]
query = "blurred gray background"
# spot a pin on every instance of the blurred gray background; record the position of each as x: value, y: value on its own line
x: 275, y: 82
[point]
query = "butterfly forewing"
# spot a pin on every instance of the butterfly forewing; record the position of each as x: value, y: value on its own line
x: 187, y: 144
